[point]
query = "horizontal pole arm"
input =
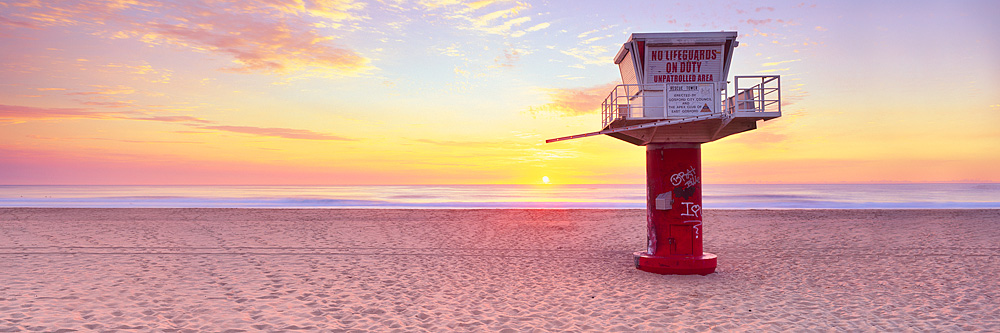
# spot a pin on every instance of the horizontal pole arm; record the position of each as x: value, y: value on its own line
x: 635, y: 127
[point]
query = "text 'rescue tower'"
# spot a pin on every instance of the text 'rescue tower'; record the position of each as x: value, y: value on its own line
x: 674, y: 97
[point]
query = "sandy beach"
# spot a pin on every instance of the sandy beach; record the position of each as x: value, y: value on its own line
x: 179, y: 270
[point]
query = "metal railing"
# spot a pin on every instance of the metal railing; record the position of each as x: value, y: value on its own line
x: 759, y: 93
x: 634, y: 100
x: 621, y: 103
x: 763, y: 94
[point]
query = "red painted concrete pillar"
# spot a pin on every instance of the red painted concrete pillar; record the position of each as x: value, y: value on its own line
x: 673, y: 212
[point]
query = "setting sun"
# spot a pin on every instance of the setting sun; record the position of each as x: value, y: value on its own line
x: 545, y: 179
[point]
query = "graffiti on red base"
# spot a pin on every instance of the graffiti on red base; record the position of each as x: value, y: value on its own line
x: 685, y: 183
x: 696, y: 226
x: 690, y: 209
x: 688, y: 177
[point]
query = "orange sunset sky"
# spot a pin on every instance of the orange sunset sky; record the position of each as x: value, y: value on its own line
x: 466, y: 92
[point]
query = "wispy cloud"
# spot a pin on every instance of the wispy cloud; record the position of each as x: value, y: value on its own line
x: 591, y: 50
x: 591, y: 54
x: 109, y: 103
x: 501, y: 22
x: 27, y: 113
x: 175, y: 119
x: 768, y: 64
x: 22, y: 113
x: 458, y: 143
x: 509, y: 58
x: 577, y: 101
x: 49, y: 138
x: 139, y: 69
x: 259, y: 36
x: 776, y: 70
x: 495, y: 17
x: 18, y: 24
x: 758, y: 22
x: 105, y: 90
x: 584, y: 34
x: 287, y: 133
x: 19, y: 113
x: 539, y: 26
x: 264, y: 46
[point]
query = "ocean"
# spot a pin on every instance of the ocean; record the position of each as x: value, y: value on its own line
x: 629, y: 196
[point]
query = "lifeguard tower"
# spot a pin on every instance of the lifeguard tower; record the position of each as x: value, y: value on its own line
x: 674, y: 97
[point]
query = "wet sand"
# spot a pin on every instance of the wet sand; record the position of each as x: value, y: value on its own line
x: 491, y: 270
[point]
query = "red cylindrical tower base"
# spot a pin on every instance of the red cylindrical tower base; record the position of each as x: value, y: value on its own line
x: 676, y: 264
x: 673, y: 212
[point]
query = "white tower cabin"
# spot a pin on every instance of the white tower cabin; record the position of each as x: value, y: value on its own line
x: 675, y: 91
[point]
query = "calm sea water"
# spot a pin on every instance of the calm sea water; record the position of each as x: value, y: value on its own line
x: 863, y: 196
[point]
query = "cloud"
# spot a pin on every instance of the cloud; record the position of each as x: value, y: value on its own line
x: 110, y: 104
x: 475, y: 16
x: 336, y: 10
x: 594, y: 39
x: 18, y: 24
x: 453, y: 50
x: 587, y: 52
x: 18, y: 113
x: 591, y: 55
x: 49, y: 138
x: 176, y: 119
x: 287, y: 133
x: 768, y: 64
x: 483, y: 3
x: 509, y: 57
x: 140, y: 69
x: 258, y: 36
x: 584, y: 34
x: 105, y: 90
x: 539, y: 26
x: 776, y: 70
x: 485, y: 23
x: 26, y: 113
x: 460, y: 143
x: 22, y: 113
x: 264, y: 46
x: 578, y: 101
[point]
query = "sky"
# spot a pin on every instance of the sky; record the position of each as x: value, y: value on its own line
x: 289, y: 92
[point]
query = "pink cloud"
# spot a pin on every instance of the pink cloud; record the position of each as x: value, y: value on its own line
x: 287, y: 133
x: 22, y: 113
x: 259, y: 36
x: 177, y: 119
x: 18, y: 24
x: 49, y: 138
x: 577, y: 101
x: 19, y: 112
x: 265, y: 46
x: 110, y: 104
x: 458, y: 143
x: 102, y: 90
